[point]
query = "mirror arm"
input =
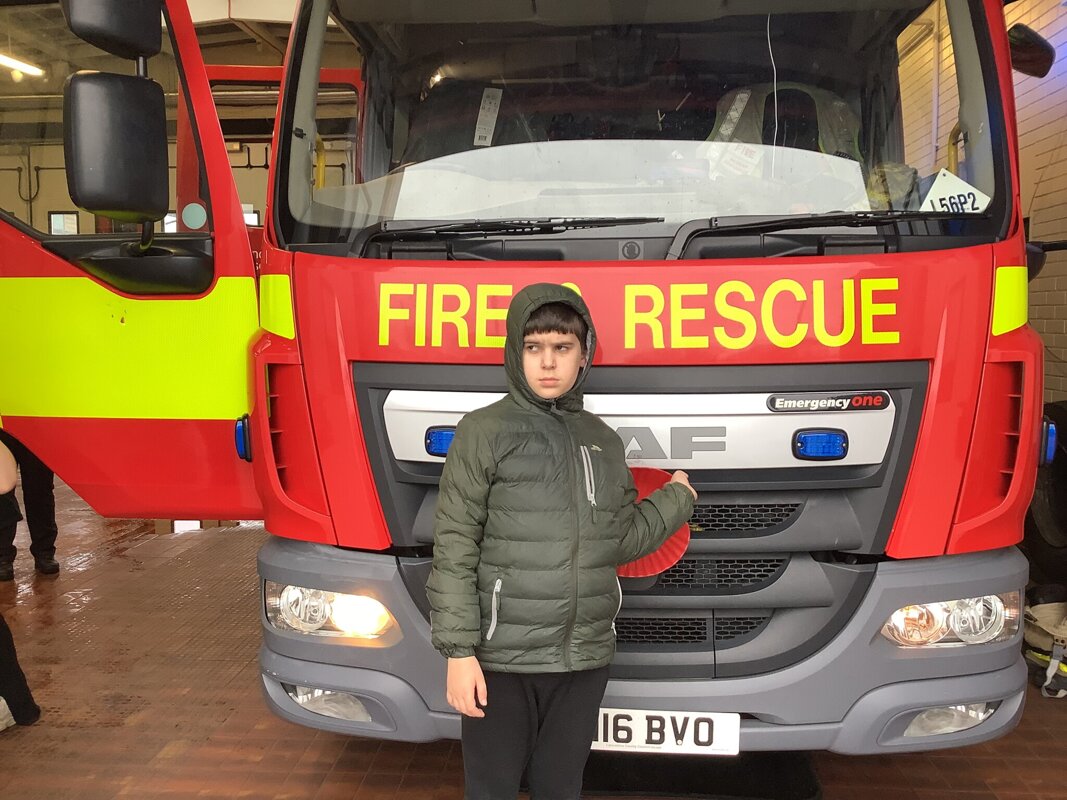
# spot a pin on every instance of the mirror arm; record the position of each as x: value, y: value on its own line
x: 1053, y: 247
x: 147, y: 228
x: 147, y: 235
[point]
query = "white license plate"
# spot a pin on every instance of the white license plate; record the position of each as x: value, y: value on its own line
x: 692, y: 732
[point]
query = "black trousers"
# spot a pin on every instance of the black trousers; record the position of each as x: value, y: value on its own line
x: 37, y: 494
x: 543, y: 723
x: 13, y: 686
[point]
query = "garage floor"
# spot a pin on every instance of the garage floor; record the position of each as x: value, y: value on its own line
x: 142, y: 653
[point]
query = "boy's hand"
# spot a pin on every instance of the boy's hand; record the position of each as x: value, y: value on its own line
x: 465, y: 684
x: 683, y: 478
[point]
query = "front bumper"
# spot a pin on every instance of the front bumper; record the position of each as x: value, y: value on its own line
x: 855, y: 695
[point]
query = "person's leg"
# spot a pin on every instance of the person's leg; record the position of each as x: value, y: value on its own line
x: 13, y: 687
x: 497, y: 746
x: 38, y: 496
x: 569, y: 708
x: 9, y: 519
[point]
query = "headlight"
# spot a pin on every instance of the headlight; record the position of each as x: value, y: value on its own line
x: 322, y: 613
x: 979, y: 619
x: 954, y: 623
x: 915, y: 626
x: 304, y: 610
x: 358, y: 615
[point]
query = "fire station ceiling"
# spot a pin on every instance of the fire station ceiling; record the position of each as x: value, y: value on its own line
x: 35, y: 34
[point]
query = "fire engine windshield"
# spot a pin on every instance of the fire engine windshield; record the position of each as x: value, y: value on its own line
x: 680, y: 110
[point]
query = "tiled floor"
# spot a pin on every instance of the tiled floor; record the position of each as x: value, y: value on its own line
x: 142, y: 653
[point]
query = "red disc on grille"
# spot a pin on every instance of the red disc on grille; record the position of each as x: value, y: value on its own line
x: 647, y: 480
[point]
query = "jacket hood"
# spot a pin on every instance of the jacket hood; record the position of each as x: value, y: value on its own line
x: 522, y: 307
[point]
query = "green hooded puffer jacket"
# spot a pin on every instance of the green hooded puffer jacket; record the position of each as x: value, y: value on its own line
x: 536, y: 509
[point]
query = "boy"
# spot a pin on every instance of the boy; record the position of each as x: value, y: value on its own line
x: 536, y: 510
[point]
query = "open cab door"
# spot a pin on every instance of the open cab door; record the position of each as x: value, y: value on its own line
x: 124, y: 340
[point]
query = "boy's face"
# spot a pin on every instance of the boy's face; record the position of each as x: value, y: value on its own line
x: 551, y: 362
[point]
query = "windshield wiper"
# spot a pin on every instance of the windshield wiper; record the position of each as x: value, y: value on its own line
x: 399, y: 228
x: 850, y: 219
x: 510, y: 226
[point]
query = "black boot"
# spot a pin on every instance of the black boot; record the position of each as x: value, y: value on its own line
x: 25, y: 713
x: 7, y: 571
x: 46, y: 565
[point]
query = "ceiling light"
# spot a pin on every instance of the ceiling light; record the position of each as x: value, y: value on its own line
x: 20, y: 66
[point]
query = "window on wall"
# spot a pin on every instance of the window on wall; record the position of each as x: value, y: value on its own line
x: 63, y: 223
x: 33, y: 183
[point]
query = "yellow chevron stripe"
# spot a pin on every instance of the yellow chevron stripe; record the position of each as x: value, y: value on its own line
x: 1010, y: 299
x: 71, y: 348
x: 276, y: 305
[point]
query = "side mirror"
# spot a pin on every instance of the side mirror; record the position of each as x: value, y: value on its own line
x: 115, y: 146
x: 1035, y: 260
x: 1036, y: 253
x: 126, y: 28
x: 1031, y: 53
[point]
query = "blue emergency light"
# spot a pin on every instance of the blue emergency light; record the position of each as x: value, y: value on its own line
x: 820, y: 444
x: 242, y: 438
x: 1048, y: 441
x: 439, y: 439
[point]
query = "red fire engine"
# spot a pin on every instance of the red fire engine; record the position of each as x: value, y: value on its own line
x: 810, y: 287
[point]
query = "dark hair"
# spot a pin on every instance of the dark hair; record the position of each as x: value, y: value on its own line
x: 558, y: 318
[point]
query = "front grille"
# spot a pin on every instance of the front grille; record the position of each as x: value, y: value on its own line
x: 661, y: 630
x: 727, y: 628
x: 720, y: 576
x: 686, y: 630
x: 709, y: 520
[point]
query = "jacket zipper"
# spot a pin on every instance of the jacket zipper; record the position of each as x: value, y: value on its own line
x: 619, y: 608
x: 496, y: 609
x: 590, y: 479
x: 574, y: 543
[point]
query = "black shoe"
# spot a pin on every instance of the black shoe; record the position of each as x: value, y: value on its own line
x: 25, y: 714
x: 46, y: 565
x: 7, y: 571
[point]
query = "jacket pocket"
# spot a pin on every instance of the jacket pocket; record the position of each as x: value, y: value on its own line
x: 495, y: 609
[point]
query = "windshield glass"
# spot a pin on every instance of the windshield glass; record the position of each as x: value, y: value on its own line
x: 504, y: 109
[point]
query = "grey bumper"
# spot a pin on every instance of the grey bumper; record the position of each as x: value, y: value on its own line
x: 855, y: 695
